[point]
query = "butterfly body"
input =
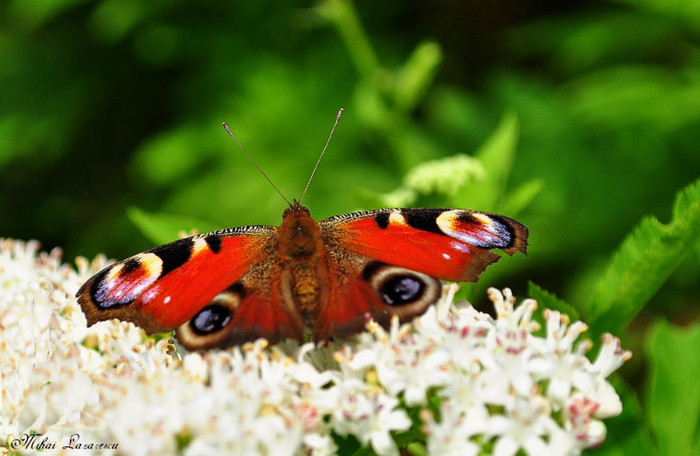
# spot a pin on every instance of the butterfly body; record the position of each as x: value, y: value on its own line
x: 302, y: 258
x: 235, y: 285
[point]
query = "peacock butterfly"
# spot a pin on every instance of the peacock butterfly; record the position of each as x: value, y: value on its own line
x: 238, y: 284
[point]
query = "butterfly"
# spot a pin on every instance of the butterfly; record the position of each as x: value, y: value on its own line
x: 328, y: 278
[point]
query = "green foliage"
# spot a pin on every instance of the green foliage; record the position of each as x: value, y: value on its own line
x: 673, y: 397
x: 349, y: 445
x: 164, y: 228
x: 548, y: 300
x: 497, y: 155
x: 441, y: 179
x: 460, y: 180
x: 184, y: 438
x: 646, y: 259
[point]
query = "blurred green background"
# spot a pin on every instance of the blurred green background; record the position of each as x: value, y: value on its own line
x: 113, y: 104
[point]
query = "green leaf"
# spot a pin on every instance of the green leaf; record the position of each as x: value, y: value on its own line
x: 687, y: 11
x: 169, y: 157
x: 416, y: 75
x: 644, y: 261
x: 32, y: 15
x: 548, y: 300
x: 162, y: 228
x: 342, y: 14
x: 496, y: 155
x: 674, y: 390
x: 183, y: 439
x: 521, y: 197
x: 347, y: 444
x: 416, y: 449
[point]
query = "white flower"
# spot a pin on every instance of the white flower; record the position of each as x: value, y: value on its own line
x: 457, y: 426
x: 369, y: 415
x: 477, y: 383
x: 524, y: 426
x: 569, y: 367
x: 403, y: 364
x: 611, y: 356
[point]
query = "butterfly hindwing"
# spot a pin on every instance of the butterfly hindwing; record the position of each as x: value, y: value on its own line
x: 248, y: 310
x: 373, y: 289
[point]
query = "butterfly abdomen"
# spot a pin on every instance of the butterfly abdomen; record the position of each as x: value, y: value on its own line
x: 301, y: 256
x: 305, y: 289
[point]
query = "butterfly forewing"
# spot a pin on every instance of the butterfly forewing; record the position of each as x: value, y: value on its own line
x: 449, y: 244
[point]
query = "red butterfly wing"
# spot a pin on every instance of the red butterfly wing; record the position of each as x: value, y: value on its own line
x: 250, y: 309
x: 450, y: 244
x: 372, y: 289
x: 388, y: 261
x: 194, y: 283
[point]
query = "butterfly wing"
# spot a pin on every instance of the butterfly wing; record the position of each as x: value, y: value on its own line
x: 208, y: 286
x: 389, y: 260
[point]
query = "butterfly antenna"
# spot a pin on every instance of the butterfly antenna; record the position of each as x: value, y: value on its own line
x: 335, y: 124
x: 228, y: 130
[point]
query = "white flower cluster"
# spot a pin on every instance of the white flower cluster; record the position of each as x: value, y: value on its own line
x: 456, y: 381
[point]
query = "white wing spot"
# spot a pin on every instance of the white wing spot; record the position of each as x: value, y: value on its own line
x: 445, y: 221
x: 395, y: 218
x: 487, y: 237
x: 152, y: 263
x: 198, y: 245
